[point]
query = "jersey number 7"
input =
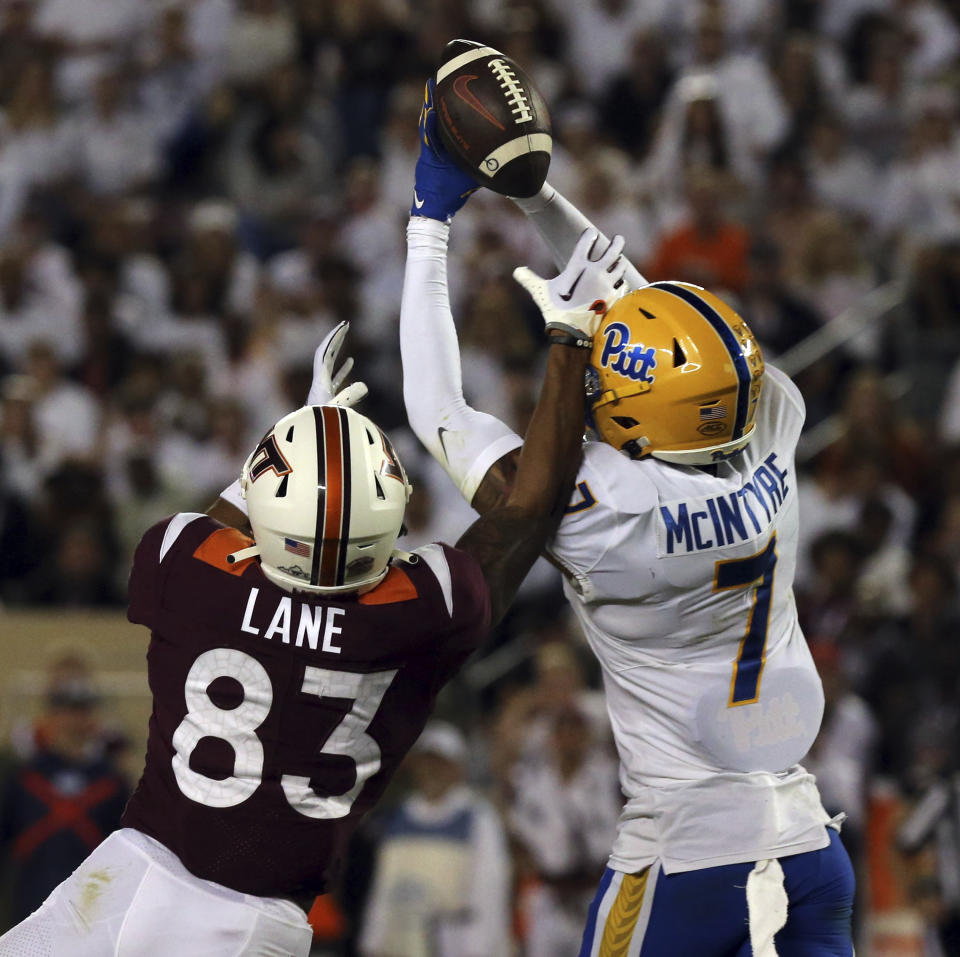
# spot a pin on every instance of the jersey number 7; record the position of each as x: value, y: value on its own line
x: 756, y: 572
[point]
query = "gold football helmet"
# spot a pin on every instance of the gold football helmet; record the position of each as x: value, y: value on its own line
x: 676, y: 374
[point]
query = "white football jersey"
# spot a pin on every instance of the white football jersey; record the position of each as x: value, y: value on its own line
x: 682, y: 581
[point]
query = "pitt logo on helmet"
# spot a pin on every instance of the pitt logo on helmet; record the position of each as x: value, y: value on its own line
x: 632, y: 361
x: 700, y: 404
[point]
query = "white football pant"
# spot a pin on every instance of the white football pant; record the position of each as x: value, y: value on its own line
x: 133, y: 898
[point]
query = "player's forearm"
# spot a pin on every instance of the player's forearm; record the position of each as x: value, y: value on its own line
x: 561, y: 224
x: 228, y: 512
x: 464, y: 441
x: 551, y: 447
x: 505, y: 542
x: 508, y: 539
x: 429, y: 349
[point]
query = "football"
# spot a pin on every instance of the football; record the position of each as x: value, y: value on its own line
x: 492, y: 120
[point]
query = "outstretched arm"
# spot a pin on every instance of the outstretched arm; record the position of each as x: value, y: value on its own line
x: 464, y: 441
x: 507, y: 539
x: 467, y: 443
x: 521, y: 501
x: 561, y: 224
x: 478, y: 451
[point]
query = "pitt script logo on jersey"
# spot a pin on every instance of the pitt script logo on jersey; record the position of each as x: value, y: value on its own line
x: 635, y: 361
x: 702, y: 524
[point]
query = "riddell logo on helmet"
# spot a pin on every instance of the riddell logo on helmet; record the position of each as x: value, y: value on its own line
x: 635, y: 361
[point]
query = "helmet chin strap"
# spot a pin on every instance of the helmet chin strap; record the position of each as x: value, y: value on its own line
x: 239, y: 556
x: 407, y: 557
x: 634, y: 447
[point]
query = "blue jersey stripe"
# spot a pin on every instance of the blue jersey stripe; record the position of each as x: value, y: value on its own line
x: 729, y: 340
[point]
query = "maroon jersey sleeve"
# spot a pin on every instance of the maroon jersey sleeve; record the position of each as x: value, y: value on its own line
x: 143, y: 586
x: 467, y: 599
x: 156, y: 553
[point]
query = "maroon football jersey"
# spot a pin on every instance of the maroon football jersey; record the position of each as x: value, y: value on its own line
x: 278, y: 717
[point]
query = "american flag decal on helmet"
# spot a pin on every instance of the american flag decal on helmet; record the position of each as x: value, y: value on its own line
x: 298, y: 548
x: 713, y: 412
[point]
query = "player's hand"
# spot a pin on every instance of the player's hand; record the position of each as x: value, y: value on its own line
x: 575, y: 301
x: 325, y: 388
x: 440, y: 187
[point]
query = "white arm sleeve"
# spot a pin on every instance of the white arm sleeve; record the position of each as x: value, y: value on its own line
x: 561, y: 224
x: 464, y: 441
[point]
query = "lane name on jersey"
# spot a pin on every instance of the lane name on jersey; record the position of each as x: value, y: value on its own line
x: 701, y: 524
x: 310, y: 621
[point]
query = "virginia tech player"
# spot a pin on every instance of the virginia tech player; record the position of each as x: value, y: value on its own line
x: 292, y: 671
x: 679, y: 546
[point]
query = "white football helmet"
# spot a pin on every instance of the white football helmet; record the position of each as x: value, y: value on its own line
x: 326, y: 495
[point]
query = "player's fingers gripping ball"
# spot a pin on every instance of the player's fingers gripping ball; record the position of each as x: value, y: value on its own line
x: 440, y: 188
x: 592, y: 281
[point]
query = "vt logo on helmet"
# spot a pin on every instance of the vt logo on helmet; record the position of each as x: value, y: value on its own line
x: 675, y: 374
x: 326, y: 495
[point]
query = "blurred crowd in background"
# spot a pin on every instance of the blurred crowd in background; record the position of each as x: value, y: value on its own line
x: 193, y: 191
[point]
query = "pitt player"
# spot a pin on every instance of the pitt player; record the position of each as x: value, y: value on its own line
x: 678, y: 547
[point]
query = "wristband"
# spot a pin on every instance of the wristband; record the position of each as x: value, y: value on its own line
x: 566, y: 339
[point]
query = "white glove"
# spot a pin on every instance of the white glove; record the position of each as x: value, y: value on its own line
x: 325, y: 388
x: 576, y: 300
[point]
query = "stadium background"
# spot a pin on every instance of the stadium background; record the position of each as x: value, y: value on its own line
x: 193, y: 192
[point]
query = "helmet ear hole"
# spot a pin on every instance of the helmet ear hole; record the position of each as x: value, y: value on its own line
x: 679, y: 356
x: 282, y: 487
x: 625, y: 421
x: 380, y: 492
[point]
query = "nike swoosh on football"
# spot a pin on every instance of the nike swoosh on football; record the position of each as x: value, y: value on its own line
x: 417, y: 201
x: 461, y: 86
x: 566, y: 297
